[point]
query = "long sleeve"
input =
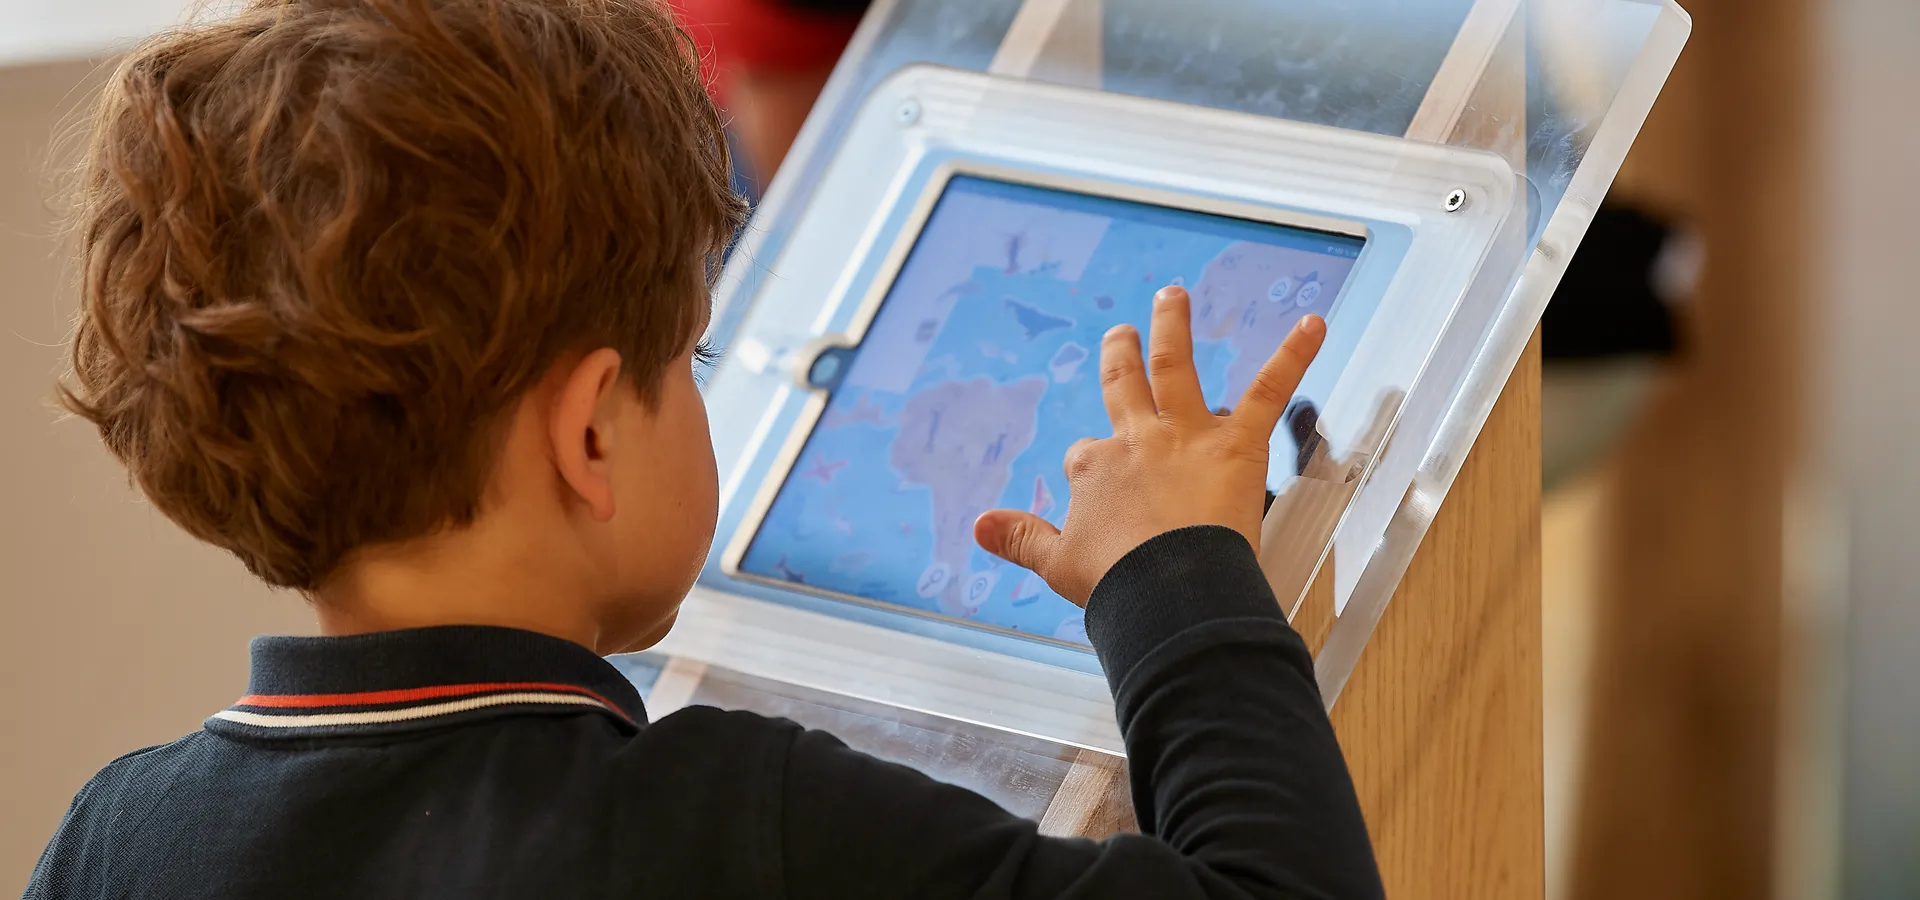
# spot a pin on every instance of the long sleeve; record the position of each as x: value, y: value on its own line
x: 1238, y: 783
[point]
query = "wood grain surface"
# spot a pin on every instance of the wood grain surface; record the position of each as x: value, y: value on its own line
x: 1441, y: 720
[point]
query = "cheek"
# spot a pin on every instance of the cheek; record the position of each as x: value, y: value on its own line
x: 700, y: 445
x: 699, y: 490
x: 672, y: 491
x: 696, y: 482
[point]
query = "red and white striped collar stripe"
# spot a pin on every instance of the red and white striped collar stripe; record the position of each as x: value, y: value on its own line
x: 388, y: 707
x: 425, y: 677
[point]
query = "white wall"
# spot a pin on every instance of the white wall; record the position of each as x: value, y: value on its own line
x: 1869, y: 194
x: 116, y: 630
x: 53, y: 30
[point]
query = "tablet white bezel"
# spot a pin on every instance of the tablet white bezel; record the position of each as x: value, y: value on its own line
x: 881, y: 287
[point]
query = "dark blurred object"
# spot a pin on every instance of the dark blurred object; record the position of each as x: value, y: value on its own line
x: 1606, y: 333
x: 1303, y: 423
x: 1617, y: 297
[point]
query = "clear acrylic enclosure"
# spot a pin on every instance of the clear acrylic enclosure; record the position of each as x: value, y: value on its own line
x: 984, y: 184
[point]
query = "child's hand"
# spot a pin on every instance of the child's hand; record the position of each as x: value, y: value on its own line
x: 1171, y: 462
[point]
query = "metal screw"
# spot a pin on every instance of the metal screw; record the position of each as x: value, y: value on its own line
x: 1456, y: 200
x: 908, y: 113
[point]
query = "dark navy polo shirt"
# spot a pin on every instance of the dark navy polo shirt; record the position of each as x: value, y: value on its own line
x: 470, y: 762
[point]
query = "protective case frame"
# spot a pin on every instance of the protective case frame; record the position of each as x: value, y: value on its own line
x: 1556, y: 88
x: 1450, y: 205
x: 876, y: 294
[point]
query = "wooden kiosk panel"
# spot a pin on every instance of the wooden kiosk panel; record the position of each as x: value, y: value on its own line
x: 1441, y: 722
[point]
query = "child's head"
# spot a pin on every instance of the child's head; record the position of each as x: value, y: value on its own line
x: 372, y: 285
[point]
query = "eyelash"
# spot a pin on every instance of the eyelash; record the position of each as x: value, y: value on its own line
x: 706, y: 358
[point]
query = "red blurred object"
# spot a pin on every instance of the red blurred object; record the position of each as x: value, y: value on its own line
x: 761, y: 35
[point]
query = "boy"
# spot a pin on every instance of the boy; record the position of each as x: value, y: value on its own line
x: 398, y: 300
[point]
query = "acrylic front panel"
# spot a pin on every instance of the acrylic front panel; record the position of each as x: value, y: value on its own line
x: 1441, y: 290
x: 1367, y: 212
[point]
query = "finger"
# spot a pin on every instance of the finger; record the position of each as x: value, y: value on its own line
x: 1266, y: 399
x: 1024, y: 539
x: 1123, y: 379
x: 1176, y: 386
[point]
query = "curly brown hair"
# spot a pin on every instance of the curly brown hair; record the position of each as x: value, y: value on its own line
x: 328, y: 244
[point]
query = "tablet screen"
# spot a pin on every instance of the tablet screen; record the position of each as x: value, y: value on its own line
x: 981, y: 367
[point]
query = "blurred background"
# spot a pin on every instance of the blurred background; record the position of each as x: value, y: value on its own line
x: 1731, y: 426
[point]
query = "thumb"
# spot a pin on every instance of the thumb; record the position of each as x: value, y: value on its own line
x: 1024, y: 539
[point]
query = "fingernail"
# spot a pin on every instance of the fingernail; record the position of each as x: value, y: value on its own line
x: 1120, y: 331
x: 1170, y: 293
x: 1312, y: 324
x: 987, y: 530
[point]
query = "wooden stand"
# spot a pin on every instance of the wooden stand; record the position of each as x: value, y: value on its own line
x: 1441, y: 720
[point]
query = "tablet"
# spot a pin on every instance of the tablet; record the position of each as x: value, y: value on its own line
x: 977, y: 368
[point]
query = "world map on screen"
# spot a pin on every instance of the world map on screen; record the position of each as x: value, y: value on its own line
x: 981, y: 369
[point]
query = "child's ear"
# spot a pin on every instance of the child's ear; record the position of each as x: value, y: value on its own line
x: 581, y: 429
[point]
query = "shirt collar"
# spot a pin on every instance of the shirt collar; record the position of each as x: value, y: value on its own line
x: 422, y: 678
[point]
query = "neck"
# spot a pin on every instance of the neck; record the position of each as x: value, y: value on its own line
x: 468, y: 576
